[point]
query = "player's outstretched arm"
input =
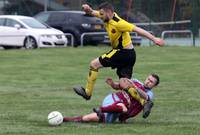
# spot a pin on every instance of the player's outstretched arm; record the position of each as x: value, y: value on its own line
x: 157, y: 41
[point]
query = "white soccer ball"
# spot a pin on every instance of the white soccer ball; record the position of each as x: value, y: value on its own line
x: 55, y: 118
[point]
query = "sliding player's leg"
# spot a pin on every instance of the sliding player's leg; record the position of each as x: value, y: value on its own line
x: 92, y: 117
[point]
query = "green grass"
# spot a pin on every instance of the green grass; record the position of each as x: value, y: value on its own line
x: 36, y: 82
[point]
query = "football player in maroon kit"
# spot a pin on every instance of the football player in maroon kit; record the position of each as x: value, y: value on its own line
x: 121, y: 105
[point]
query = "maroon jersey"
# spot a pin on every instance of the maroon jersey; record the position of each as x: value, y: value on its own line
x: 133, y: 110
x: 134, y: 107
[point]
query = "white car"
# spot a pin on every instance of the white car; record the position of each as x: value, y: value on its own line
x: 23, y: 31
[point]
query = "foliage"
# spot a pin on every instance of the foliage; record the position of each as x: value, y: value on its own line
x: 157, y: 10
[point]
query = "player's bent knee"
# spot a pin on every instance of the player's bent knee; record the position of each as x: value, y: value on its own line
x: 95, y: 64
x: 124, y: 83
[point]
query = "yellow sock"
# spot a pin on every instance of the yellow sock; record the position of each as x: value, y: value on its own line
x: 135, y: 95
x: 91, y: 81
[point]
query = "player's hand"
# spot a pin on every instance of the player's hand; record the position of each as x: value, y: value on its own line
x: 109, y: 81
x: 86, y: 8
x: 159, y: 41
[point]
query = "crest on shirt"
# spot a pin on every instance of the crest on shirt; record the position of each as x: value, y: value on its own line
x: 113, y: 31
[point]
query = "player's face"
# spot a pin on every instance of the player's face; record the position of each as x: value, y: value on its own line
x: 150, y: 82
x: 105, y: 15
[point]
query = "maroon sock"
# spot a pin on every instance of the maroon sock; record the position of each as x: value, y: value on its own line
x: 73, y: 119
x: 114, y: 108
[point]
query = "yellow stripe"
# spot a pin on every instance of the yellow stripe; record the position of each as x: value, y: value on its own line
x: 109, y: 55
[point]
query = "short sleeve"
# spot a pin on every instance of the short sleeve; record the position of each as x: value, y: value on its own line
x: 125, y: 26
x: 150, y: 94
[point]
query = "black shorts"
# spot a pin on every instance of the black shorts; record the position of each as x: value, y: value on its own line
x: 122, y: 59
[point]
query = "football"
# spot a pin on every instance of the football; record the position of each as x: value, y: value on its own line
x: 55, y: 118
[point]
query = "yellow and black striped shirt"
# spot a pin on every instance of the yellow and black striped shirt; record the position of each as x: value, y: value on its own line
x: 118, y: 31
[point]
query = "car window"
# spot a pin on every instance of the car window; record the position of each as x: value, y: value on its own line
x: 12, y: 23
x: 57, y: 17
x: 2, y: 21
x: 82, y: 18
x: 43, y: 17
x: 33, y: 23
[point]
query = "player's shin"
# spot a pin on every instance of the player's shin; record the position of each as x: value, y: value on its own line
x: 136, y: 96
x: 93, y: 73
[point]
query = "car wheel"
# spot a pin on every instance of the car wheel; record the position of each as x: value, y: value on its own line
x: 30, y: 43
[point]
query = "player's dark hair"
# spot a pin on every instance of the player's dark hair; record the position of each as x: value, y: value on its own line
x: 157, y: 78
x: 106, y: 6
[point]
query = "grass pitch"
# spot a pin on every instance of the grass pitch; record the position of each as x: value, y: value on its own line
x: 36, y: 82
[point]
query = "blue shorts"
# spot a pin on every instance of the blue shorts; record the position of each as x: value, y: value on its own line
x: 109, y: 100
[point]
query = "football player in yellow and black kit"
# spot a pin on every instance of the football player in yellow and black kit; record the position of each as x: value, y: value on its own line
x: 122, y: 56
